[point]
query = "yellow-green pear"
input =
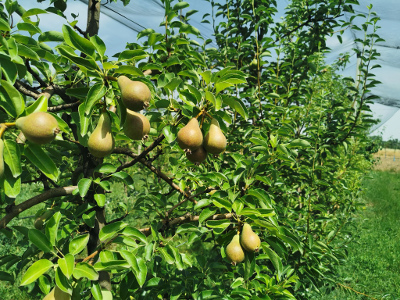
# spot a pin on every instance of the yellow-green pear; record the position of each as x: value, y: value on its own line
x: 135, y: 94
x: 38, y: 127
x: 101, y: 141
x: 215, y: 140
x: 136, y: 125
x: 190, y: 137
x: 234, y: 251
x: 197, y: 156
x: 1, y: 158
x: 57, y: 294
x: 249, y: 240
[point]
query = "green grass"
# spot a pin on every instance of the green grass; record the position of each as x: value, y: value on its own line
x: 373, y: 266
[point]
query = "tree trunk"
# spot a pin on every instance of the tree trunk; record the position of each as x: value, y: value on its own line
x: 92, y: 26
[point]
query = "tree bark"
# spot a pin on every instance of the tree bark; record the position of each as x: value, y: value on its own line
x: 93, y: 20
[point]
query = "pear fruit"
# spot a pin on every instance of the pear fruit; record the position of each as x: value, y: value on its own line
x: 197, y: 156
x: 57, y: 294
x: 249, y: 240
x: 1, y: 158
x: 136, y: 125
x: 101, y: 141
x: 38, y: 127
x: 135, y: 94
x: 234, y: 251
x: 190, y: 137
x: 39, y: 221
x: 215, y: 140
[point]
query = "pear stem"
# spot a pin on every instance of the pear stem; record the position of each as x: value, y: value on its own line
x: 9, y: 124
x: 3, y: 128
x: 111, y: 78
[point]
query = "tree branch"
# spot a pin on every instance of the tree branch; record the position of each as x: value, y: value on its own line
x: 16, y: 210
x: 35, y: 75
x: 24, y: 90
x: 63, y: 106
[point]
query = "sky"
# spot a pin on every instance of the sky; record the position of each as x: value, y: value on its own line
x: 141, y: 14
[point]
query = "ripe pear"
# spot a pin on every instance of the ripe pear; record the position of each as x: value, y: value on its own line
x: 136, y: 125
x: 190, y: 137
x: 215, y: 140
x: 234, y: 251
x: 135, y: 94
x: 101, y: 142
x: 197, y: 156
x: 1, y: 158
x: 57, y: 294
x: 38, y: 127
x: 249, y: 240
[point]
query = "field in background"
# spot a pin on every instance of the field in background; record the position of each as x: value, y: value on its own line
x: 388, y: 160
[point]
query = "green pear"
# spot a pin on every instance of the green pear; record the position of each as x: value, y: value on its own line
x: 135, y: 94
x: 39, y: 221
x: 1, y: 158
x: 136, y: 125
x: 190, y: 136
x: 197, y: 156
x: 234, y: 251
x: 215, y: 140
x: 101, y: 141
x: 57, y: 294
x: 38, y: 127
x: 249, y: 240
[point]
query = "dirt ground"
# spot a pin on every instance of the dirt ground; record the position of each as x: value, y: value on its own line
x: 388, y: 160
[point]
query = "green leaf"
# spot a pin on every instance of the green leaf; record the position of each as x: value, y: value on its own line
x: 125, y: 177
x: 76, y: 41
x: 41, y: 104
x: 138, y: 266
x: 83, y: 186
x: 129, y: 70
x: 133, y: 232
x: 236, y: 104
x: 14, y: 97
x: 35, y: 271
x: 100, y: 199
x: 180, y: 5
x: 4, y: 276
x: 11, y: 185
x: 85, y: 270
x: 132, y: 55
x: 40, y: 240
x: 52, y: 227
x: 33, y: 12
x: 12, y: 157
x: 105, y: 168
x: 51, y: 36
x: 84, y: 119
x: 77, y: 244
x: 299, y: 143
x: 95, y: 93
x: 96, y: 291
x: 40, y: 159
x: 32, y: 29
x: 27, y: 52
x: 110, y: 230
x: 86, y: 63
x: 67, y: 264
x: 111, y: 265
x: 10, y: 73
x: 98, y: 44
x: 206, y: 213
x: 4, y: 26
x: 167, y: 257
x: 275, y: 259
x: 249, y: 265
x: 63, y: 282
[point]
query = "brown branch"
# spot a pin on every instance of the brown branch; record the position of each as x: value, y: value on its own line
x: 347, y: 287
x: 63, y: 106
x: 156, y: 142
x: 16, y: 210
x: 25, y: 90
x: 154, y: 170
x: 80, y: 30
x: 191, y: 198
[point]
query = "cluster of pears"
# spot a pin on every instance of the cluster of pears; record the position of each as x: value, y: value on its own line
x: 247, y: 240
x: 136, y: 96
x: 190, y: 138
